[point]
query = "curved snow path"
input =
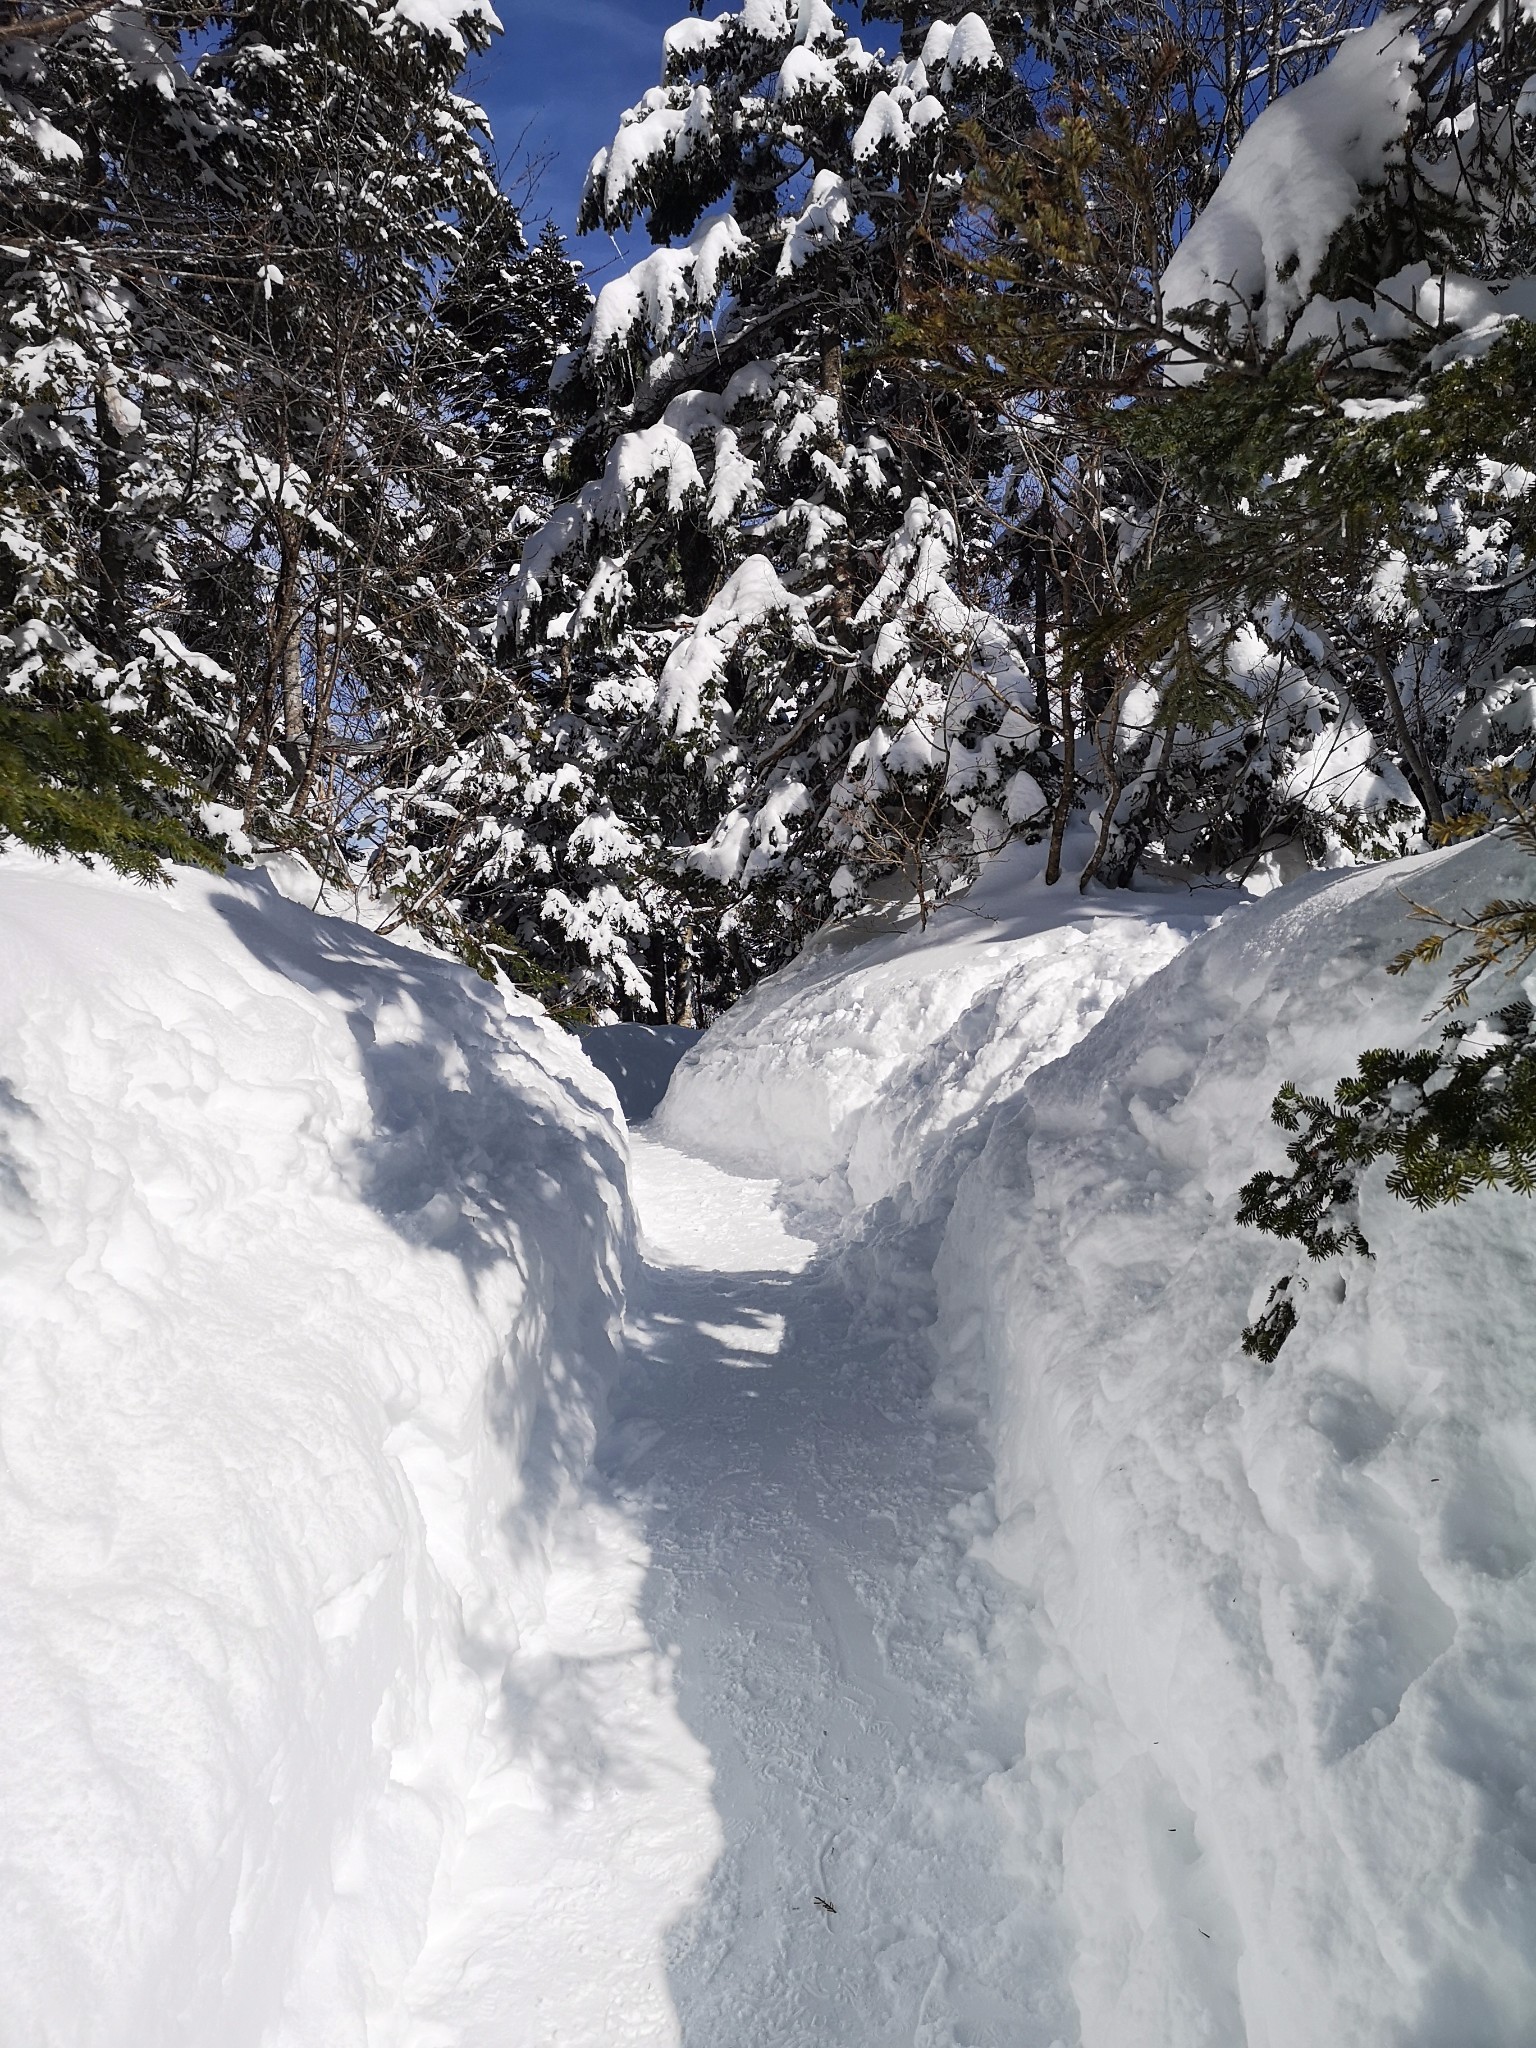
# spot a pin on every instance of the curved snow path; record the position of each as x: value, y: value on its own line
x: 807, y: 1514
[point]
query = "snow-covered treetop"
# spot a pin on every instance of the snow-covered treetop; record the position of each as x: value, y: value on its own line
x: 753, y: 589
x: 773, y: 131
x: 448, y: 19
x: 1304, y: 208
x: 1296, y: 177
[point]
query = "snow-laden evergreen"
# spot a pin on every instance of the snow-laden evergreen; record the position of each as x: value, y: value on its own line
x: 1350, y: 512
x: 765, y: 594
x: 273, y: 360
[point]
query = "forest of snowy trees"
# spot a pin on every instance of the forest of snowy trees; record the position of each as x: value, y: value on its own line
x: 993, y: 439
x: 898, y: 1506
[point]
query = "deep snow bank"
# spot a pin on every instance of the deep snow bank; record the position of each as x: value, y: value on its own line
x: 639, y: 1060
x: 1284, y: 1751
x: 1275, y: 1734
x: 312, y: 1257
x: 860, y: 1073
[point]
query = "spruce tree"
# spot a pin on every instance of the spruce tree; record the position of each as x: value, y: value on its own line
x: 271, y: 395
x: 105, y: 139
x: 1345, y: 523
x: 760, y: 615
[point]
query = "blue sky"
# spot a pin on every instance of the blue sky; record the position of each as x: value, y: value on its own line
x: 560, y: 77
x: 556, y: 82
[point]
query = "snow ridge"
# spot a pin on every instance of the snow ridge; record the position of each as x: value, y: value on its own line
x: 1270, y: 1717
x: 313, y: 1252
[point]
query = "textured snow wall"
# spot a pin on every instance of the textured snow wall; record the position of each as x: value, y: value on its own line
x: 1280, y: 1746
x: 312, y: 1255
x: 639, y: 1059
x: 863, y: 1071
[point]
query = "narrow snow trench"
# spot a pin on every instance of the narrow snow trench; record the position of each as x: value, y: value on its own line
x: 806, y: 1512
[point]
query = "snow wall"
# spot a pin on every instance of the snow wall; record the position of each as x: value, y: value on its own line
x: 312, y: 1261
x: 1277, y: 1720
x: 865, y: 1072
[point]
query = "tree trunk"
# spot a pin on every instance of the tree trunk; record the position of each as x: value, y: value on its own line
x: 1413, y: 754
x: 288, y: 634
x: 111, y: 554
x: 842, y: 573
x: 685, y: 1013
x: 1068, y: 758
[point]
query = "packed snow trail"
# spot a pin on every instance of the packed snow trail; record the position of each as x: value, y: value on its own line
x: 807, y: 1511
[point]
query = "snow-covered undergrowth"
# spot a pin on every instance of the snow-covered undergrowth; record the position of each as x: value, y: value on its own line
x: 864, y: 1073
x: 312, y: 1266
x: 1275, y: 1723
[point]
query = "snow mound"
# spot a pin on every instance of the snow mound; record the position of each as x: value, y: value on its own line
x: 639, y: 1059
x: 312, y: 1256
x: 860, y: 1073
x: 1281, y: 1739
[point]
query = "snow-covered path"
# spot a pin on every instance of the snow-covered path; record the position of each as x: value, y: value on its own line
x: 806, y: 1512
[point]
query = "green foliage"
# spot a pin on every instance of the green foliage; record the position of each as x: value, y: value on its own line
x: 1503, y: 932
x: 1451, y: 1118
x: 71, y: 784
x: 1266, y: 1334
x: 1280, y: 487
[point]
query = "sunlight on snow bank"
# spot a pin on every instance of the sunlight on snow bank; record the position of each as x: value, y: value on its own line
x: 318, y: 1638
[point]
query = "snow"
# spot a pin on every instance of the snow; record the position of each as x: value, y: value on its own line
x: 750, y: 596
x: 638, y: 1059
x: 859, y: 1073
x: 390, y: 1661
x: 1294, y: 179
x: 1265, y: 1726
x: 807, y: 1514
x: 444, y: 18
x: 1344, y: 762
x: 656, y: 127
x: 950, y: 49
x: 806, y: 70
x: 1416, y: 299
x: 883, y: 124
x: 647, y: 300
x: 313, y: 1254
x: 1289, y: 1777
x: 661, y: 454
x: 969, y: 48
x: 826, y: 216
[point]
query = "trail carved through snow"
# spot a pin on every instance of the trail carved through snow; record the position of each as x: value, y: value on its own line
x: 806, y: 1510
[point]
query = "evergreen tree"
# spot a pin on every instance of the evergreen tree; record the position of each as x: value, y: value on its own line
x: 355, y: 525
x: 104, y: 140
x: 1344, y: 535
x: 1208, y: 732
x: 272, y: 391
x: 760, y: 614
x: 1350, y: 450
